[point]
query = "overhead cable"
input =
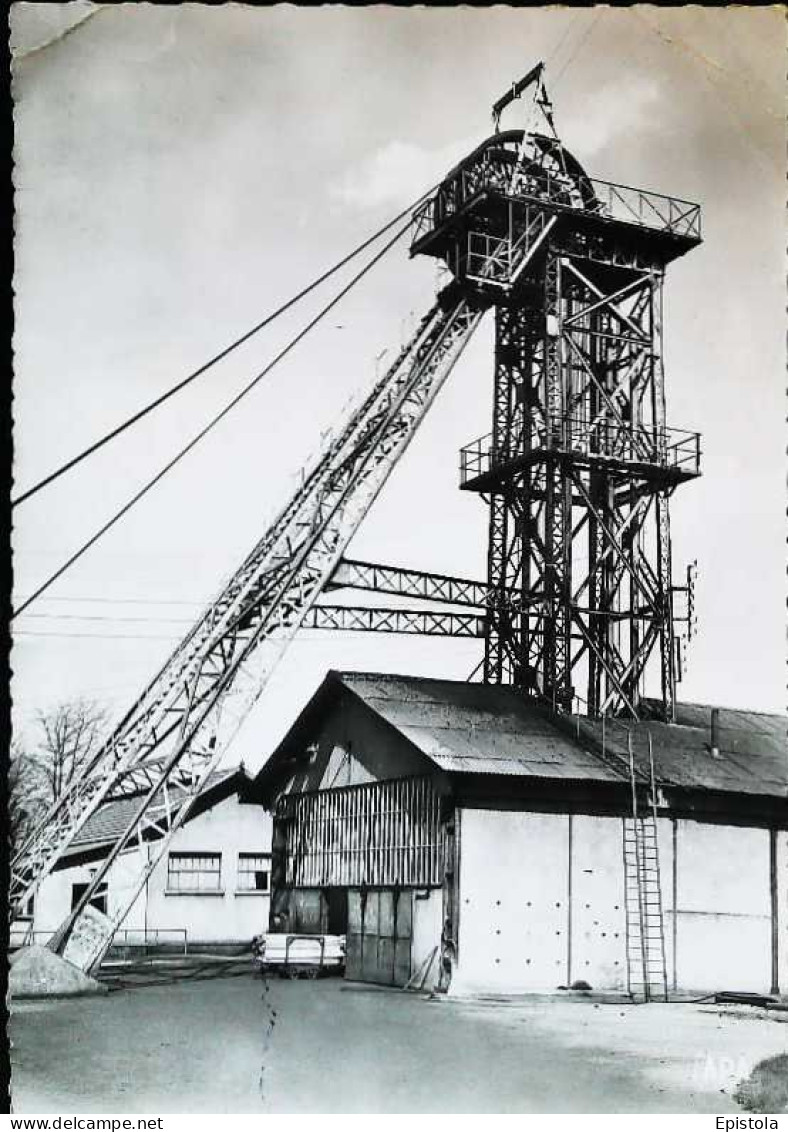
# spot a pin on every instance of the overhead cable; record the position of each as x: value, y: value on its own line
x: 222, y: 354
x: 211, y: 424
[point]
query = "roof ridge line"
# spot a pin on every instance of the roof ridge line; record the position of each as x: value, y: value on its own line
x: 718, y: 707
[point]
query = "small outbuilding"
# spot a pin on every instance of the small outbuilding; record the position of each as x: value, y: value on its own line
x: 211, y: 887
x: 465, y: 832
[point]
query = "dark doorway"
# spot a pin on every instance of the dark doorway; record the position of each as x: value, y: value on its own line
x: 336, y: 901
x: 98, y: 900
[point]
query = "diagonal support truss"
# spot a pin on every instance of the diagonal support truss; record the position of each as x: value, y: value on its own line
x: 178, y: 730
x: 578, y: 473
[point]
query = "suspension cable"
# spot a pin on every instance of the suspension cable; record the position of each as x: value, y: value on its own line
x: 138, y: 416
x: 211, y: 424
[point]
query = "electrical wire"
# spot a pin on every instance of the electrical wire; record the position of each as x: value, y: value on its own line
x: 211, y: 424
x: 580, y: 43
x: 99, y: 636
x: 556, y: 51
x: 101, y: 617
x: 119, y: 601
x: 312, y: 636
x: 220, y: 356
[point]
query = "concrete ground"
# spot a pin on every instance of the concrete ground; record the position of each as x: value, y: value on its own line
x: 232, y: 1045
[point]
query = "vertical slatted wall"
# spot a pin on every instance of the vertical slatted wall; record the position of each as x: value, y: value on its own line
x: 379, y: 833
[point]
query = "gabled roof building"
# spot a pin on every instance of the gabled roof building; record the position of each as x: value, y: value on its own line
x: 466, y: 836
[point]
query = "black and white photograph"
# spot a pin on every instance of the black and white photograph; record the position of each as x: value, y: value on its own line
x: 398, y: 622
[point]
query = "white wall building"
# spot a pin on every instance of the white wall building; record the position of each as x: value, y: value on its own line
x: 450, y: 818
x: 211, y: 887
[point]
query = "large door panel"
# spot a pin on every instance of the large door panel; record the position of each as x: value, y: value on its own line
x: 355, y: 935
x: 380, y: 927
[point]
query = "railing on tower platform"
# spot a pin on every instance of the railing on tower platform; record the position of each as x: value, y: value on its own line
x: 667, y: 449
x: 604, y: 200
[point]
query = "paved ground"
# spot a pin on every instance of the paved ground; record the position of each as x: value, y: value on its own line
x: 209, y: 1047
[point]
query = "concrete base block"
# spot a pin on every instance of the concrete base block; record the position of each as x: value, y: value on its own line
x: 36, y: 972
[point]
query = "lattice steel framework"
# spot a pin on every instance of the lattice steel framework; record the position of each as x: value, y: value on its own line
x: 580, y: 464
x: 578, y: 472
x: 176, y: 732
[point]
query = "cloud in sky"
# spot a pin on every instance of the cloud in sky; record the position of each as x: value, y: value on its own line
x: 171, y: 188
x: 615, y: 112
x: 397, y: 172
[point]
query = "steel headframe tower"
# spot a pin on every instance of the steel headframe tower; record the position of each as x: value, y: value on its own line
x: 580, y: 465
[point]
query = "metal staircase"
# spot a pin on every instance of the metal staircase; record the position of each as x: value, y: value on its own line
x: 647, y: 976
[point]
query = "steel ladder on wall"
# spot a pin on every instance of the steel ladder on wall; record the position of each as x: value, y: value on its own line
x: 647, y: 976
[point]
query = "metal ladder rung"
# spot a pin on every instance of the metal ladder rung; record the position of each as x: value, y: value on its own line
x: 645, y: 934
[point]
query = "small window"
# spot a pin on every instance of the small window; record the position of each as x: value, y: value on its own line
x: 254, y: 872
x: 194, y: 872
x: 98, y: 899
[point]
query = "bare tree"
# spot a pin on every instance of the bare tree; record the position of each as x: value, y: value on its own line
x: 25, y: 795
x: 68, y: 735
x: 39, y: 772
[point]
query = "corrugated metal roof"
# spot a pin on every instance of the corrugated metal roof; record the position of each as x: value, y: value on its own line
x: 753, y: 749
x: 109, y: 821
x: 472, y: 728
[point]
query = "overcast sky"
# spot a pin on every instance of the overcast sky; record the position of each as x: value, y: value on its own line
x: 181, y: 170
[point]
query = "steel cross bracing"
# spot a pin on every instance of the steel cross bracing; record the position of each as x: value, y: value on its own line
x: 576, y: 481
x: 178, y: 730
x: 379, y: 578
x: 580, y: 464
x: 371, y: 619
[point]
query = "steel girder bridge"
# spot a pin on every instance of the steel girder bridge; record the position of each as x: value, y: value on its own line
x: 577, y: 474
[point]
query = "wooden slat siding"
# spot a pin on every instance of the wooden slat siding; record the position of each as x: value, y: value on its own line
x: 413, y: 837
x: 407, y: 812
x: 388, y: 811
x: 416, y: 860
x: 351, y: 846
x: 324, y: 829
x: 399, y: 833
x: 399, y: 830
x: 422, y: 828
x: 328, y: 827
x: 313, y: 842
x: 433, y: 853
x: 311, y: 846
x: 340, y: 836
x: 376, y: 834
x: 399, y: 855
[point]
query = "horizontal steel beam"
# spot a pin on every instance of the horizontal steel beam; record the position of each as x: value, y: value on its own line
x: 426, y: 623
x: 378, y: 578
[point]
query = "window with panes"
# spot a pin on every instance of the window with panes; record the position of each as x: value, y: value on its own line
x: 194, y: 872
x: 254, y: 872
